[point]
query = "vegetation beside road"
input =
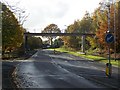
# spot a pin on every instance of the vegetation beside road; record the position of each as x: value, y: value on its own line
x: 88, y: 56
x: 92, y: 28
x: 13, y: 41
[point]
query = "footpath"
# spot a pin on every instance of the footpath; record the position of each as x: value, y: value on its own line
x: 8, y: 67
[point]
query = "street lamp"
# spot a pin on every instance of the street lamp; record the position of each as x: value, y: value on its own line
x: 109, y: 37
x: 108, y: 3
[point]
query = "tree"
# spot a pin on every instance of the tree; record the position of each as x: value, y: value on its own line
x: 58, y: 42
x: 103, y: 27
x: 12, y: 31
x: 52, y: 28
x: 20, y: 14
x: 34, y: 43
x: 86, y: 24
x: 118, y: 27
x: 72, y: 41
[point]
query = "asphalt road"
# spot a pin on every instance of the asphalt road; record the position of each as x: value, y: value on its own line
x: 48, y: 70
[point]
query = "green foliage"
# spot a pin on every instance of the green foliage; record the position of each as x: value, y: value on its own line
x: 102, y: 18
x: 52, y: 28
x: 89, y: 57
x: 34, y: 42
x: 98, y: 24
x: 92, y: 41
x: 12, y: 32
x: 58, y: 42
x: 85, y: 25
x: 72, y: 41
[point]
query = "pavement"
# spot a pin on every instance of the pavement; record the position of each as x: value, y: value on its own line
x: 7, y: 68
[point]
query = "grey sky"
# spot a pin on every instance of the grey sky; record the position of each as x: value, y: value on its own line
x: 60, y: 12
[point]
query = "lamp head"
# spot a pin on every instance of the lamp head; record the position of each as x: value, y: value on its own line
x: 108, y: 31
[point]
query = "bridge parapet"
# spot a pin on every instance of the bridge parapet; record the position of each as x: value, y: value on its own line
x: 58, y: 34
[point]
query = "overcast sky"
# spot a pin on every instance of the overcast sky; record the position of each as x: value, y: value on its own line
x: 61, y: 12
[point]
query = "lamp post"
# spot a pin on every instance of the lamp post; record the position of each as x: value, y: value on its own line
x: 109, y: 38
x: 109, y: 63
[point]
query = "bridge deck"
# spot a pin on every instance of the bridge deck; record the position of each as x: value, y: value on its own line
x: 58, y: 34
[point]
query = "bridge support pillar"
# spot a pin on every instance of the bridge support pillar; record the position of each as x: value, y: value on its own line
x: 83, y: 43
x: 25, y: 43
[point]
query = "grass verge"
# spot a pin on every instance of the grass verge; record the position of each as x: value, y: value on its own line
x: 90, y: 57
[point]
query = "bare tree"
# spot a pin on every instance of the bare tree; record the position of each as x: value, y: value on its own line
x: 20, y: 13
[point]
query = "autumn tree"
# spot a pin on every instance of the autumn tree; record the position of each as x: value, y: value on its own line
x: 103, y: 26
x: 72, y: 41
x: 52, y: 28
x: 12, y: 31
x: 96, y: 21
x: 118, y: 27
x: 85, y: 25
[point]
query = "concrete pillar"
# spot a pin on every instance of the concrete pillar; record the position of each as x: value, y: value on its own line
x: 83, y: 43
x: 25, y: 43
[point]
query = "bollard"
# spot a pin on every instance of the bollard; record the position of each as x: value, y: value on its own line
x: 108, y: 69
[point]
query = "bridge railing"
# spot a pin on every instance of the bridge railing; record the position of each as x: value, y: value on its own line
x: 58, y: 34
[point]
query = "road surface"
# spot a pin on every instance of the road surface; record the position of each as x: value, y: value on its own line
x: 7, y: 70
x: 48, y: 70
